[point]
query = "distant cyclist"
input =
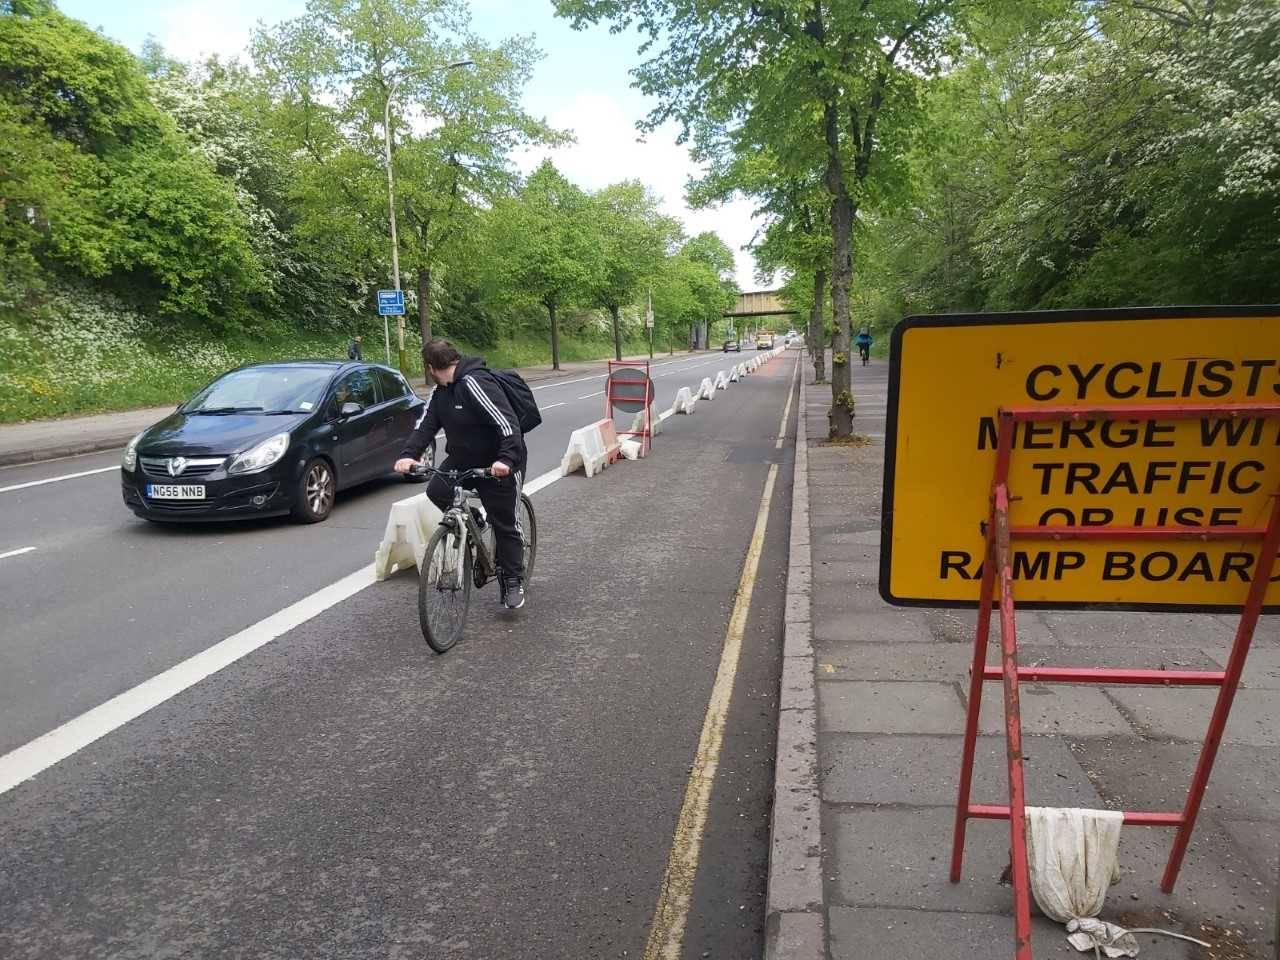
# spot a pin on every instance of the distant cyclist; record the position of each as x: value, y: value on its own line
x: 480, y: 430
x: 863, y: 342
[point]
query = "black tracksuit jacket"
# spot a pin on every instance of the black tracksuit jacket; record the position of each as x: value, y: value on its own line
x: 479, y: 425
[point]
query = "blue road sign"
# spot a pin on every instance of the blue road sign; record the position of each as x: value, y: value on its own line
x: 390, y: 303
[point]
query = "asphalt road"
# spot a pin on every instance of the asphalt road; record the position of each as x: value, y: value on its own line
x: 106, y: 600
x: 342, y: 791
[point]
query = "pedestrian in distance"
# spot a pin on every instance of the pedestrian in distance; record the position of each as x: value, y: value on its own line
x: 354, y: 351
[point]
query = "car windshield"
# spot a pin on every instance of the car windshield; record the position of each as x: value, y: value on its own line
x: 263, y: 390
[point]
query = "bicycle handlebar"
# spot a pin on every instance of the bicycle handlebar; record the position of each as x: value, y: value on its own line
x: 476, y: 473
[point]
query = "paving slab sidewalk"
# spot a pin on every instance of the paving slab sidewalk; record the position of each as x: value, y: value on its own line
x: 885, y: 692
x: 35, y: 440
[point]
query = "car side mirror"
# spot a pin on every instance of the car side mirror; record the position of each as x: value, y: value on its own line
x: 350, y: 409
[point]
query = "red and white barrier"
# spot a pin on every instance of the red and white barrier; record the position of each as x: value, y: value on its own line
x: 591, y: 448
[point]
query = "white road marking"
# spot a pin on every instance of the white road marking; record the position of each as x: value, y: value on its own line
x: 588, y: 396
x: 600, y: 376
x: 31, y: 758
x: 58, y: 744
x: 65, y: 476
x: 542, y: 481
x: 16, y: 553
x: 550, y: 405
x: 786, y: 411
x: 565, y: 383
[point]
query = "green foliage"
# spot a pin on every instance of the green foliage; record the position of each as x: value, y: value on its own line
x: 1128, y: 159
x: 342, y: 85
x: 99, y: 181
x: 160, y: 221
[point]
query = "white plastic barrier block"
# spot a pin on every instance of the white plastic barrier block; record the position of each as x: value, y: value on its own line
x: 722, y: 381
x: 591, y: 448
x: 707, y: 391
x: 637, y: 424
x: 409, y: 529
x: 735, y: 374
x: 685, y: 401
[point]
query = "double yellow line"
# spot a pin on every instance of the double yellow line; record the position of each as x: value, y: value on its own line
x: 671, y: 916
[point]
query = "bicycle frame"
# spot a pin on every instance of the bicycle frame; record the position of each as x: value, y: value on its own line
x: 458, y: 516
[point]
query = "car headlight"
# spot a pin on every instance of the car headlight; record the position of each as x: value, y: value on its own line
x: 130, y: 461
x: 261, y: 456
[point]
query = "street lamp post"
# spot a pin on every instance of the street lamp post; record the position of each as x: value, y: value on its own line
x: 391, y: 200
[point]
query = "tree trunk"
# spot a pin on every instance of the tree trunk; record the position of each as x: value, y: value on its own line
x: 555, y: 335
x: 842, y: 214
x: 424, y: 315
x: 617, y: 333
x: 841, y: 416
x: 817, y: 327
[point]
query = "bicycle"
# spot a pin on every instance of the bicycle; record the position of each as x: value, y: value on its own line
x: 461, y: 553
x: 865, y: 353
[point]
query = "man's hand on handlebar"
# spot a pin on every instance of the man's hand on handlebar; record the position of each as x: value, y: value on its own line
x: 405, y: 464
x: 499, y: 469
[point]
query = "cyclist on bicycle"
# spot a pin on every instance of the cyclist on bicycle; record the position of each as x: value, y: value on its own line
x: 863, y: 342
x: 480, y: 430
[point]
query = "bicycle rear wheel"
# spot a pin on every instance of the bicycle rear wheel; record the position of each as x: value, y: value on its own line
x: 444, y: 589
x: 529, y: 532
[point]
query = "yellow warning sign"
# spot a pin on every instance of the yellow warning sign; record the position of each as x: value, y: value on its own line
x: 950, y: 377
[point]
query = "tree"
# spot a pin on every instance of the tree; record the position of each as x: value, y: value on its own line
x: 335, y: 74
x: 544, y: 244
x: 792, y: 74
x: 631, y: 237
x: 1108, y: 157
x: 99, y: 181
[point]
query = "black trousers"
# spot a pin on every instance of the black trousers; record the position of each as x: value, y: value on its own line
x: 500, y: 497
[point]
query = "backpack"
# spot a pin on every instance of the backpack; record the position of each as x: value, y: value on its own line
x: 520, y: 397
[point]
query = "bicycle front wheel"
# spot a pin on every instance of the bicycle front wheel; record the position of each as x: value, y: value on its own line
x: 528, y: 533
x: 444, y: 589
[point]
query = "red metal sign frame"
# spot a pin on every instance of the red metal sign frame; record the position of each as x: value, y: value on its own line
x: 998, y: 562
x: 646, y: 432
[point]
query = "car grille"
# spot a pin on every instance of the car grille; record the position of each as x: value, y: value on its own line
x: 177, y: 506
x: 198, y: 467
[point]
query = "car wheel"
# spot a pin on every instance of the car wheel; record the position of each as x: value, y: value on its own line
x: 313, y: 497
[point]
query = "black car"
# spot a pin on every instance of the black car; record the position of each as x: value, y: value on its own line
x: 271, y: 438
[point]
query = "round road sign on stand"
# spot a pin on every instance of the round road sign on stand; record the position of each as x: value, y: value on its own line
x: 628, y: 388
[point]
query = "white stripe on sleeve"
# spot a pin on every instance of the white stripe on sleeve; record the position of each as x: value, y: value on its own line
x: 489, y: 406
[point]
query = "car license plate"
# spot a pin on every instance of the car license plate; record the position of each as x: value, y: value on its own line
x: 175, y: 491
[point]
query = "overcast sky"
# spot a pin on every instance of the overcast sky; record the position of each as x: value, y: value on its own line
x: 582, y: 85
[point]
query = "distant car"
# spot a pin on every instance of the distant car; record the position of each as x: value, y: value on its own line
x: 732, y: 343
x: 764, y: 341
x: 271, y: 438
